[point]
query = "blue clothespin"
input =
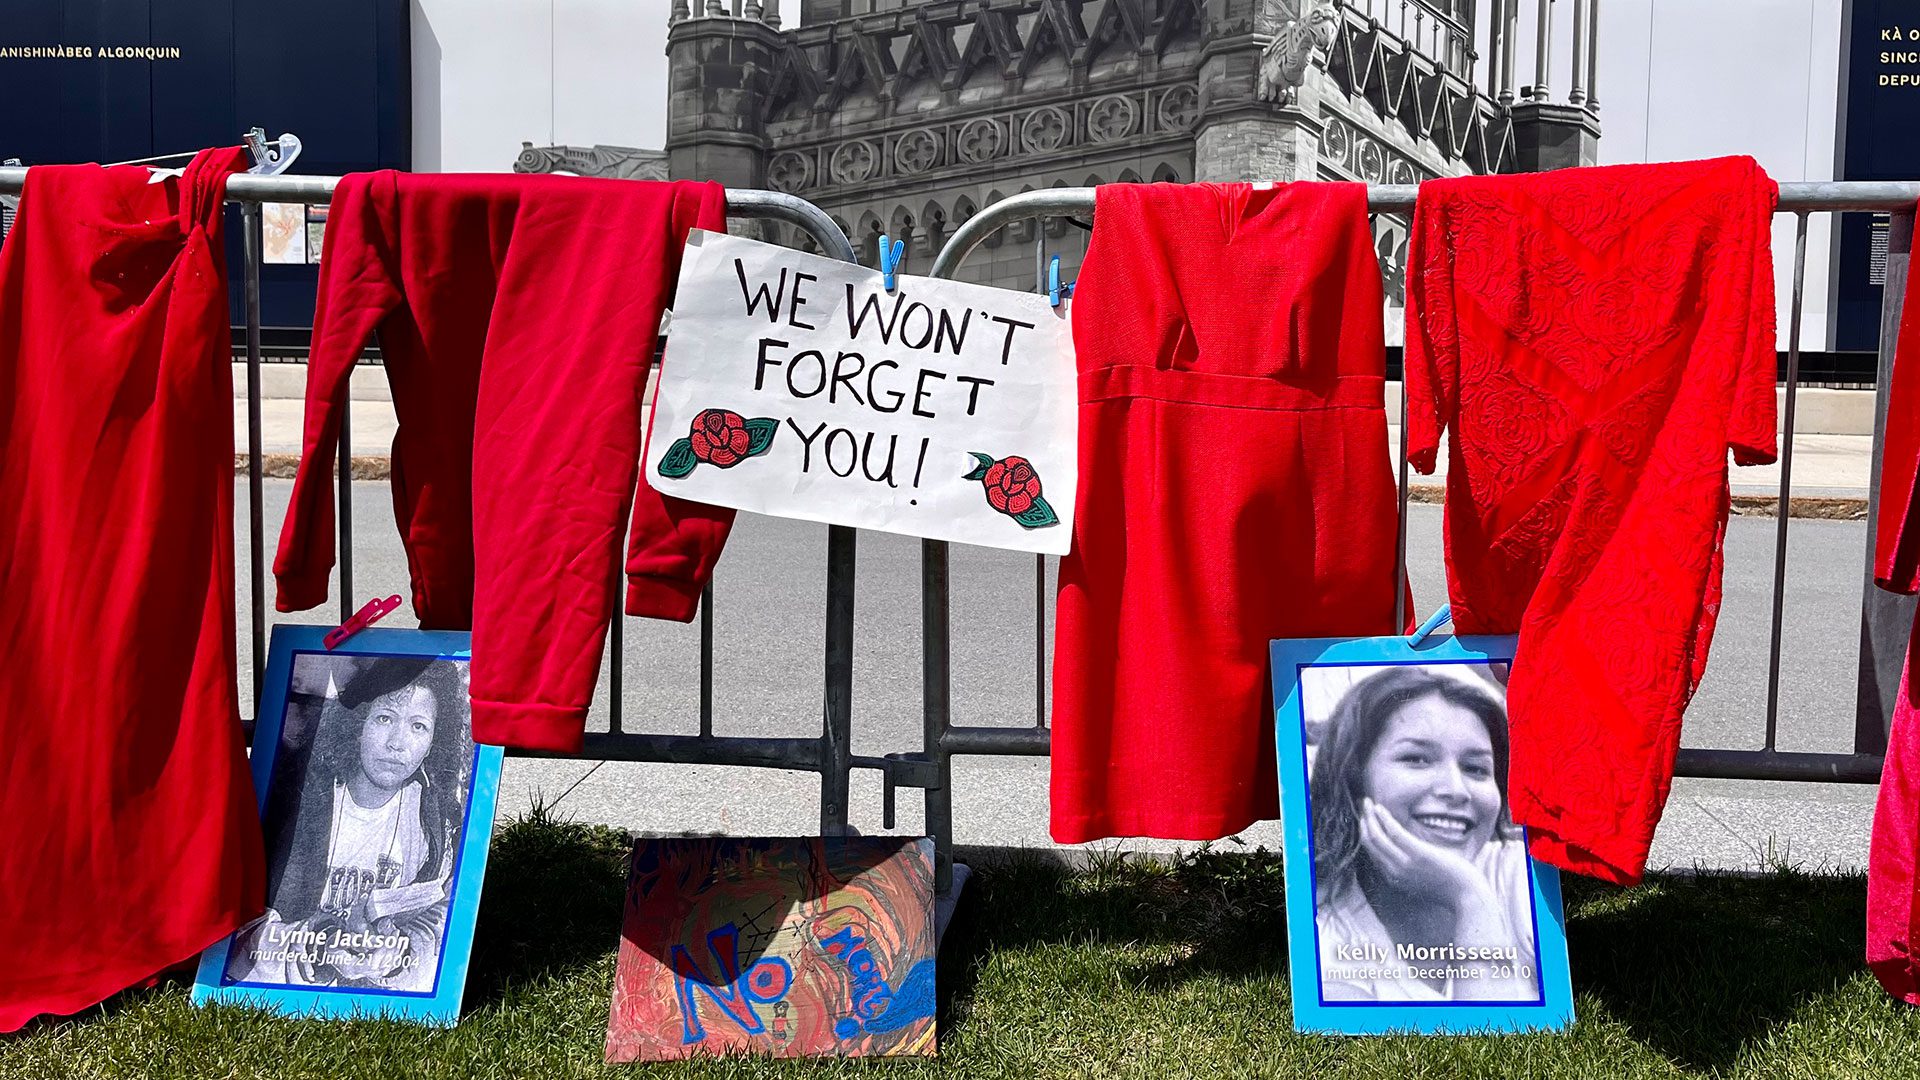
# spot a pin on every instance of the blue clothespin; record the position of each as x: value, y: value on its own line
x: 1055, y: 290
x: 1434, y: 622
x: 892, y: 254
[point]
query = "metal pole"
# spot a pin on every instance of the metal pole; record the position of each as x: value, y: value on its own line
x: 345, y: 497
x: 1577, y: 93
x: 1039, y: 641
x: 1398, y: 199
x: 1039, y: 561
x: 1786, y: 480
x: 617, y: 647
x: 836, y: 737
x: 1496, y: 45
x: 937, y: 705
x: 706, y: 659
x: 250, y: 248
x: 1400, y: 538
x: 1593, y: 55
x: 1886, y: 619
x: 1542, y: 60
x: 1891, y: 195
x: 1510, y: 63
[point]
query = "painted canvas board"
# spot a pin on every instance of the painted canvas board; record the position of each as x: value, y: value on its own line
x: 778, y: 947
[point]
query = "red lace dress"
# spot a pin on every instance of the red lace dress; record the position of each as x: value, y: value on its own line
x: 1595, y: 340
x: 1893, y: 906
x: 1234, y: 488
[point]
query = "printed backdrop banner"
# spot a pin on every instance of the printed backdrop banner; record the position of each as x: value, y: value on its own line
x: 798, y: 386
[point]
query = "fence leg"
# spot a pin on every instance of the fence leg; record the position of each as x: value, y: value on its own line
x: 937, y: 699
x: 251, y: 248
x: 1886, y: 618
x: 836, y: 736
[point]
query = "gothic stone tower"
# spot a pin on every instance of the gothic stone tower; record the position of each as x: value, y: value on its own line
x: 905, y: 118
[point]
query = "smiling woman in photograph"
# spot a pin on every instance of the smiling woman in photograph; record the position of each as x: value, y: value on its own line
x: 360, y: 866
x: 1421, y: 881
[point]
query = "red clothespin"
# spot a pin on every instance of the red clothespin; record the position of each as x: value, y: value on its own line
x: 372, y: 612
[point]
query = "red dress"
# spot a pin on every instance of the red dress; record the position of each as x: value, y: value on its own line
x: 1596, y: 340
x: 517, y: 316
x: 1234, y: 488
x: 132, y: 839
x: 1893, y: 906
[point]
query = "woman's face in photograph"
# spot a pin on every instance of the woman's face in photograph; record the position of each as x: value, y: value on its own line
x: 1433, y: 770
x: 397, y: 735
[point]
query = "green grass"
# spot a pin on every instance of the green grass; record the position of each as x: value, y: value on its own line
x: 1129, y: 967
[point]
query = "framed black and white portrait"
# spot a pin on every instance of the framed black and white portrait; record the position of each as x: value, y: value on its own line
x: 1411, y: 901
x: 376, y: 807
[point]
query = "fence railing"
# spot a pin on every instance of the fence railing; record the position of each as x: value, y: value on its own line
x: 1883, y: 626
x: 1884, y: 618
x: 829, y: 755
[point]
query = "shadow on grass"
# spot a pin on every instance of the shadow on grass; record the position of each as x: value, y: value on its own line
x: 1699, y: 966
x: 1224, y: 912
x: 552, y: 904
x: 1695, y: 967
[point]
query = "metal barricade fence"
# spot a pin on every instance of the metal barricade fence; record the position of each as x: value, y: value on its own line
x: 829, y: 755
x: 1884, y: 618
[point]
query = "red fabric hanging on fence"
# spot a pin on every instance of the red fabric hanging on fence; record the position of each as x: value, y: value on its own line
x: 1595, y: 340
x: 517, y: 318
x: 1234, y: 488
x: 132, y: 838
x: 1893, y: 905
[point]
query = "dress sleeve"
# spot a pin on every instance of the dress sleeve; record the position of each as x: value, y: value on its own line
x: 359, y: 286
x: 673, y: 544
x: 1431, y: 369
x: 1750, y: 432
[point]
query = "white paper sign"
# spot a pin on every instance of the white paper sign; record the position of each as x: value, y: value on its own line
x: 796, y: 385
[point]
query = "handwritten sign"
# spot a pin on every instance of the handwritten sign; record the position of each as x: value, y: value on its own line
x: 798, y: 386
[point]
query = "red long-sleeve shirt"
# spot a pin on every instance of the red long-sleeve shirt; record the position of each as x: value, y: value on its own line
x: 517, y: 316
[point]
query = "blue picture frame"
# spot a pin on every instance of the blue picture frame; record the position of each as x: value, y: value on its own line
x: 438, y: 1001
x: 1347, y: 1011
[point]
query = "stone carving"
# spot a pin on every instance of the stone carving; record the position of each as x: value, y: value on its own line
x: 980, y: 140
x: 1044, y: 130
x: 1111, y: 118
x: 1305, y: 27
x: 917, y: 151
x: 1336, y: 140
x: 1349, y: 152
x: 1179, y: 108
x: 790, y: 172
x: 617, y: 162
x: 854, y: 162
x: 1370, y: 161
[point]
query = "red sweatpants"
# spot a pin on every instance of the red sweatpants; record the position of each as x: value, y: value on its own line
x: 131, y: 839
x: 517, y: 317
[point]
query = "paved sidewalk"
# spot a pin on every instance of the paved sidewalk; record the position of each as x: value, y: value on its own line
x: 1824, y: 466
